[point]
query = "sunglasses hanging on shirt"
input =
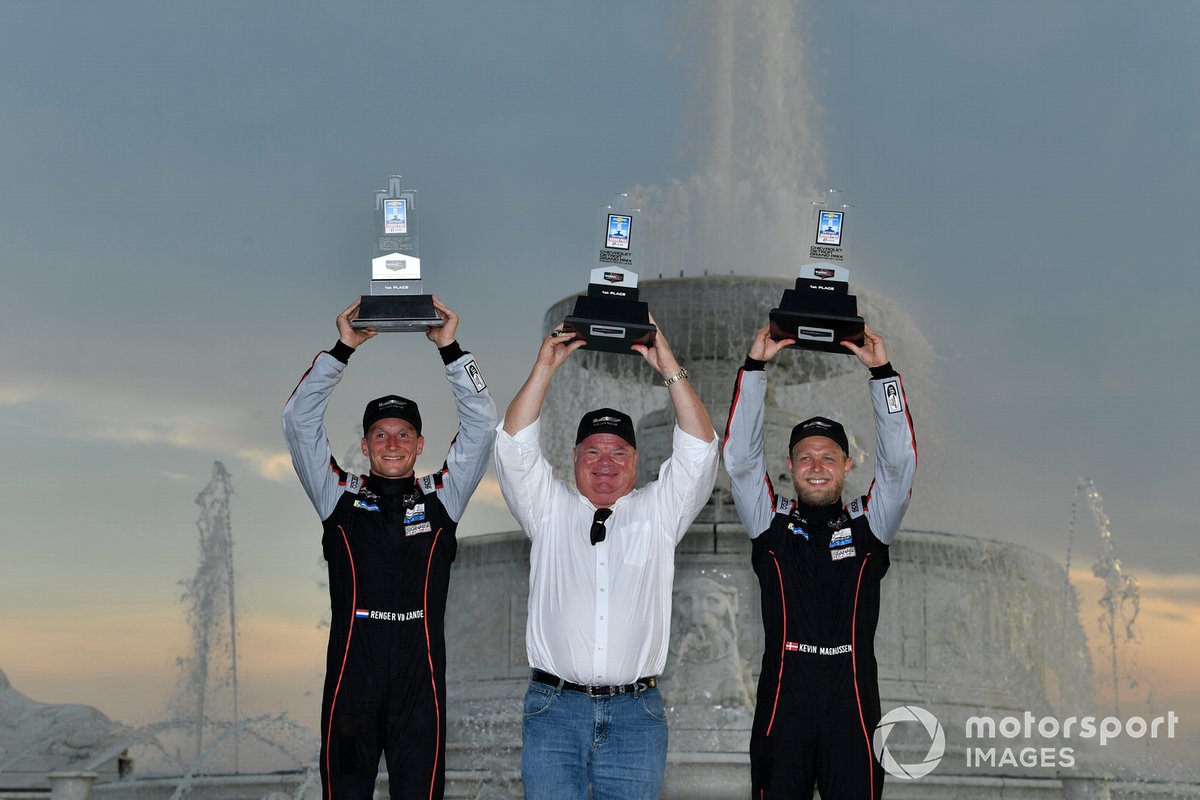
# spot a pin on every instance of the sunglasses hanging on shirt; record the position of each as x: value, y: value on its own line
x: 598, y: 529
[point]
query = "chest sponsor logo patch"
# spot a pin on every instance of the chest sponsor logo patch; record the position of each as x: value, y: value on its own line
x: 414, y: 514
x: 891, y: 392
x: 365, y: 506
x: 841, y: 538
x: 794, y: 528
x: 845, y: 552
x: 413, y: 530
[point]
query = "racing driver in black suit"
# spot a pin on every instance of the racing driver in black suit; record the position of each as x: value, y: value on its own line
x: 819, y: 565
x: 389, y: 539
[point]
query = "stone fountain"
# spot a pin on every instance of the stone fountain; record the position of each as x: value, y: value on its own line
x: 968, y: 626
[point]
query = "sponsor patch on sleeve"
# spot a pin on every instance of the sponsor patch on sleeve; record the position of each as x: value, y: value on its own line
x: 476, y: 377
x: 891, y: 392
x: 427, y: 484
x: 856, y: 508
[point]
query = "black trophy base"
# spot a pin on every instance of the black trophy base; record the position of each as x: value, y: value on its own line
x: 814, y: 331
x: 611, y: 325
x: 397, y: 313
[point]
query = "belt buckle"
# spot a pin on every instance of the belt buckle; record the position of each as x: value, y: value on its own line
x: 601, y: 691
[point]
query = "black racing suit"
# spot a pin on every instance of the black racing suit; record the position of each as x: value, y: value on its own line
x: 819, y: 571
x: 389, y: 544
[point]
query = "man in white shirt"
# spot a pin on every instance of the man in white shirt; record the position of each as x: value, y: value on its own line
x: 602, y: 563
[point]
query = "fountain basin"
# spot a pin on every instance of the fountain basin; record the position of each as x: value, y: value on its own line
x: 967, y: 627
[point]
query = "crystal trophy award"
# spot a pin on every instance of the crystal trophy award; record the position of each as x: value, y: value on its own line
x: 396, y: 302
x: 820, y: 313
x: 610, y: 317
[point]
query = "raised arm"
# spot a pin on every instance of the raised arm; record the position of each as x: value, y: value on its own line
x: 525, y: 476
x: 471, y: 448
x: 526, y: 407
x: 745, y: 458
x: 690, y: 413
x: 304, y: 417
x: 895, y: 444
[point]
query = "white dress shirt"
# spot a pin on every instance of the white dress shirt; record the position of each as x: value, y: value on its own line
x: 600, y: 615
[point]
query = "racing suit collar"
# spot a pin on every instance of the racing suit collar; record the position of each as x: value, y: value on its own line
x: 815, y: 516
x: 393, y: 488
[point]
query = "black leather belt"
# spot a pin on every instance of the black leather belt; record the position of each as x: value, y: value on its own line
x: 642, y: 684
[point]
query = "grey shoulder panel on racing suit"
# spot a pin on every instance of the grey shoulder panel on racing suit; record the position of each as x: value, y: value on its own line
x: 745, y: 459
x: 471, y: 450
x: 895, y: 450
x: 306, y: 437
x: 308, y: 441
x: 895, y: 458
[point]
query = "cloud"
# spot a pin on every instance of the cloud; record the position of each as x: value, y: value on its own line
x: 489, y: 493
x: 177, y: 432
x: 1183, y: 588
x: 18, y: 395
x: 123, y: 415
x: 273, y: 465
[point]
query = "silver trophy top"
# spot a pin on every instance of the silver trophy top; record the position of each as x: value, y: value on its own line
x: 830, y: 226
x: 396, y: 264
x: 617, y: 237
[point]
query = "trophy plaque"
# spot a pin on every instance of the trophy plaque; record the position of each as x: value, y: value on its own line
x: 820, y: 313
x: 396, y: 302
x: 610, y: 317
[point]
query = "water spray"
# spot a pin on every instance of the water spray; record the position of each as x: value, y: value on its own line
x: 208, y: 594
x: 1121, y: 602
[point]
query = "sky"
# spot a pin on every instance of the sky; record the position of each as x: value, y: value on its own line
x: 187, y: 205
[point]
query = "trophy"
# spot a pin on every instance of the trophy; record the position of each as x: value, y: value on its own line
x: 396, y: 302
x: 610, y: 317
x: 820, y: 312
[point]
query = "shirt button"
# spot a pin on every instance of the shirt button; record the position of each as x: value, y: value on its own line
x: 602, y: 563
x: 602, y: 619
x: 602, y: 588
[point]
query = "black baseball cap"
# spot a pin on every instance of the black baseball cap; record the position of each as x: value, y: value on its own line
x: 391, y: 406
x: 606, y: 420
x: 820, y: 426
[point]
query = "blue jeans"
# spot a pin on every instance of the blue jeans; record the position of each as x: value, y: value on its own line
x: 617, y: 744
